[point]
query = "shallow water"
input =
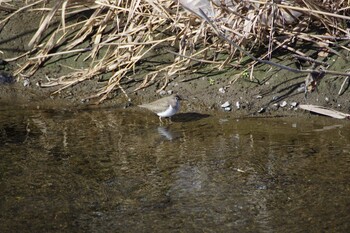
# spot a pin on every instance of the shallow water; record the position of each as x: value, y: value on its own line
x: 108, y: 170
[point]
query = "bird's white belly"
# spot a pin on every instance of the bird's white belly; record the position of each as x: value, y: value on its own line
x: 169, y: 112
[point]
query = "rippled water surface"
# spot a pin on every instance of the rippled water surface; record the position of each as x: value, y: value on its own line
x: 110, y: 170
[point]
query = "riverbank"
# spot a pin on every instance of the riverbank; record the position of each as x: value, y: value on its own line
x: 264, y: 91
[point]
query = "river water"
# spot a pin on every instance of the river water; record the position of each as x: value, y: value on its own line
x: 115, y: 170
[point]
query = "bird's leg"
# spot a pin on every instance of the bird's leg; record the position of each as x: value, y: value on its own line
x: 160, y: 119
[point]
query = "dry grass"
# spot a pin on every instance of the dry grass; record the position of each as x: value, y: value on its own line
x: 121, y: 33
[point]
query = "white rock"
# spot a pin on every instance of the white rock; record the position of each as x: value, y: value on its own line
x: 301, y: 88
x: 283, y: 104
x: 222, y: 90
x: 294, y: 104
x: 226, y: 104
x: 238, y: 105
x: 261, y: 110
x: 26, y: 82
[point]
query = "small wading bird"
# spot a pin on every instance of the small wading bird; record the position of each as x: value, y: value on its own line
x: 164, y: 107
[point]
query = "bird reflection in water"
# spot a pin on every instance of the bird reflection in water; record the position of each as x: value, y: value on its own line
x: 166, y: 133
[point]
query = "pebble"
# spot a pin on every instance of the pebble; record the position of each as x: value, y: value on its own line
x: 275, y: 98
x: 259, y: 96
x: 301, y: 88
x: 162, y: 92
x: 227, y: 109
x: 275, y: 106
x: 294, y: 104
x: 261, y: 110
x: 226, y: 104
x: 26, y: 82
x: 170, y: 92
x: 222, y: 90
x: 127, y: 105
x: 283, y: 104
x: 238, y: 105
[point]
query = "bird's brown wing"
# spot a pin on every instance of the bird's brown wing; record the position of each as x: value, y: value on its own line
x: 158, y: 105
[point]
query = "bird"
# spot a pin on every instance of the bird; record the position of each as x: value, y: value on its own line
x: 164, y: 107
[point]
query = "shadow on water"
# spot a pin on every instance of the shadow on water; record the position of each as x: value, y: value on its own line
x: 120, y: 171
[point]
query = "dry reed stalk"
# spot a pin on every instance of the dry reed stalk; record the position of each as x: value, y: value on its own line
x: 121, y: 33
x: 20, y: 10
x: 44, y: 25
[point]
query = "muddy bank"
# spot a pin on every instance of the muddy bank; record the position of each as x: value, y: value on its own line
x: 270, y: 91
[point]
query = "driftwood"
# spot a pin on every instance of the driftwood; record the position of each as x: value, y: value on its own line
x: 325, y: 111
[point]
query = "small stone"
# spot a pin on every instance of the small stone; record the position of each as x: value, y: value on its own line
x: 162, y: 92
x: 275, y: 98
x: 283, y: 104
x: 301, y: 88
x: 227, y: 109
x: 326, y: 99
x: 26, y: 82
x: 259, y: 96
x: 226, y: 104
x: 294, y: 104
x: 261, y: 110
x: 275, y: 106
x: 127, y: 105
x: 170, y: 92
x: 238, y: 105
x: 222, y: 90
